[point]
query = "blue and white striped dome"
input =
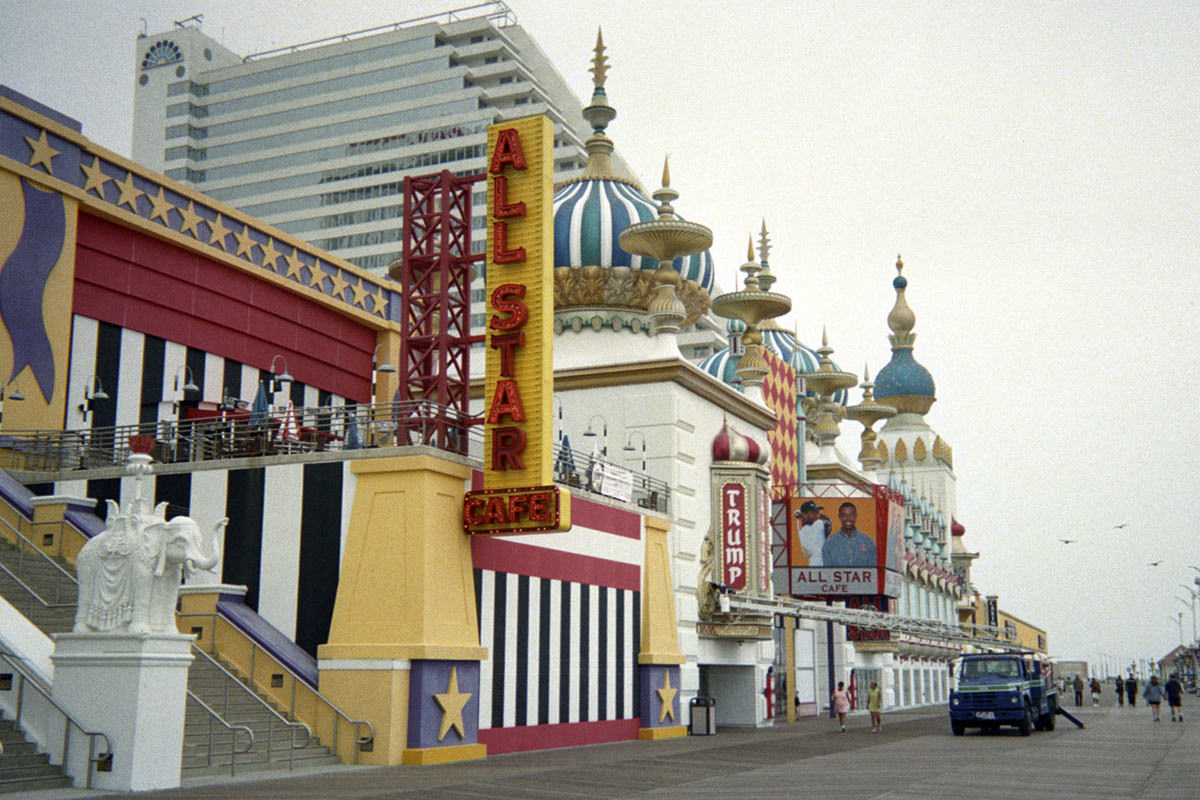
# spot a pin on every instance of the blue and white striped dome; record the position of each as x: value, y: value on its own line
x: 780, y: 342
x: 589, y: 216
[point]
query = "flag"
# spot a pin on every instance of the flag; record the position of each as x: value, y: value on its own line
x: 291, y: 430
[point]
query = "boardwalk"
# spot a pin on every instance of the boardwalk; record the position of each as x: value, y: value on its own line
x: 1121, y: 754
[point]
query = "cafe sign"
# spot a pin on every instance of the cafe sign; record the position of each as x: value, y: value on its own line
x: 518, y: 494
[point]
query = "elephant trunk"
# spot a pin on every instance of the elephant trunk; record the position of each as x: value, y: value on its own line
x: 208, y: 562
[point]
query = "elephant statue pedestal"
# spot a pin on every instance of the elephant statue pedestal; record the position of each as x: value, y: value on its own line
x: 133, y: 688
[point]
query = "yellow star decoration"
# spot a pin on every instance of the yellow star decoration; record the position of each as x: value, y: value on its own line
x: 129, y: 193
x: 270, y: 254
x: 339, y: 285
x: 666, y: 699
x: 316, y: 278
x: 452, y: 703
x: 245, y: 243
x: 381, y: 302
x: 219, y: 232
x: 360, y: 294
x: 42, y: 152
x: 160, y: 208
x: 95, y: 178
x: 294, y: 264
x: 190, y: 220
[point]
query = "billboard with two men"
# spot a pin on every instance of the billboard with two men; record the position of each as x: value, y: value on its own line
x: 843, y: 546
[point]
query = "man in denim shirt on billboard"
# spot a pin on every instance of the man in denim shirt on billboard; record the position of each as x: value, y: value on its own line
x: 849, y: 547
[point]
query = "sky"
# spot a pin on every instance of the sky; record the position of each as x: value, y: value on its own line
x: 1036, y: 164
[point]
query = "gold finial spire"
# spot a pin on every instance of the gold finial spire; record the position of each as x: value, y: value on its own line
x: 750, y: 249
x: 764, y: 242
x: 765, y: 277
x: 901, y: 320
x: 599, y: 68
x: 666, y: 170
x: 867, y: 374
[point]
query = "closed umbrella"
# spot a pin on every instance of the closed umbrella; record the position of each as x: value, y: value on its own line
x: 260, y: 409
x: 291, y: 430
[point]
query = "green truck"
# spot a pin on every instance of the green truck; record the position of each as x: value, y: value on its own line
x: 997, y: 689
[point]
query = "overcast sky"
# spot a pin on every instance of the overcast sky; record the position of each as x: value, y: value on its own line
x: 1035, y: 163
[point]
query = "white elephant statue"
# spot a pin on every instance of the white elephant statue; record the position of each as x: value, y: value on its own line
x: 129, y: 574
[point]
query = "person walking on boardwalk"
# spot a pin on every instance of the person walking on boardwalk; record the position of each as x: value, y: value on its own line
x: 841, y: 704
x: 1095, y: 687
x: 1175, y: 697
x: 1154, y: 696
x: 1120, y: 691
x: 1131, y: 690
x: 875, y: 707
x: 1077, y: 685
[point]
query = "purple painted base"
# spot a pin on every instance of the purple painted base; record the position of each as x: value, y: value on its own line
x: 649, y: 704
x: 429, y: 678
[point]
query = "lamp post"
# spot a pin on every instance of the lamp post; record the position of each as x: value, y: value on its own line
x: 278, y: 378
x: 591, y: 432
x: 629, y: 448
x: 92, y: 390
x: 15, y: 396
x: 1194, y: 596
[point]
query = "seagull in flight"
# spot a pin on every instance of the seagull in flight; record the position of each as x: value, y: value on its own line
x: 1122, y: 525
x: 1154, y: 563
x: 1067, y: 541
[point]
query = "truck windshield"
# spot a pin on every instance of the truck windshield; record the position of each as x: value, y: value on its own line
x: 999, y: 667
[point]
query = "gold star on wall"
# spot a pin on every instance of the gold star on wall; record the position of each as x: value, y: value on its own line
x: 380, y: 299
x: 452, y: 702
x: 294, y: 264
x: 339, y: 285
x: 360, y: 294
x: 43, y: 153
x: 160, y: 208
x: 666, y: 699
x: 245, y: 243
x: 129, y: 193
x: 219, y: 232
x: 190, y: 220
x: 316, y: 278
x: 269, y: 254
x: 95, y: 178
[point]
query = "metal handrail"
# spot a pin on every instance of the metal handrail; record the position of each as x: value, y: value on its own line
x: 94, y: 758
x: 61, y: 573
x: 294, y: 725
x: 213, y: 716
x: 357, y: 724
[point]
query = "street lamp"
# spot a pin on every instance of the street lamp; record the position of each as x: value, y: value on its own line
x: 15, y: 396
x: 629, y: 448
x: 92, y: 390
x: 278, y: 378
x: 185, y: 372
x: 386, y: 366
x: 591, y: 432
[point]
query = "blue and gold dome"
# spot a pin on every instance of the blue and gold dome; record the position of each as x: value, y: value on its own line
x: 722, y: 366
x: 591, y: 210
x: 903, y: 383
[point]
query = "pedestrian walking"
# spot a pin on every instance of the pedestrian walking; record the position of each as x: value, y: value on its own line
x: 1120, y: 691
x: 841, y: 704
x: 875, y: 707
x: 1077, y: 684
x: 1131, y: 690
x: 1095, y: 687
x: 1154, y: 696
x: 1175, y: 697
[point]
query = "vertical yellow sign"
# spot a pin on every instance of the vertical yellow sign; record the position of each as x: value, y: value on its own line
x: 519, y: 381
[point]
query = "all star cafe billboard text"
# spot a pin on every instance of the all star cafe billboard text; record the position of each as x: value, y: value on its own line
x: 518, y: 494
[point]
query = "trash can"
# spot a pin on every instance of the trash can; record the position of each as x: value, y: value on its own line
x: 703, y: 716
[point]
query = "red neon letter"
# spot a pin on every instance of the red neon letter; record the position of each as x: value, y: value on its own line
x: 506, y: 400
x: 507, y: 343
x: 500, y: 252
x: 508, y: 151
x: 471, y: 511
x: 507, y: 299
x: 507, y: 446
x: 500, y: 205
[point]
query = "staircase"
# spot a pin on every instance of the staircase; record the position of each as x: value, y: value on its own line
x: 22, y: 767
x: 226, y: 694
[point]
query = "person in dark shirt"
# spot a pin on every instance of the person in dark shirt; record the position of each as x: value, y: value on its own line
x: 1120, y: 691
x: 1175, y: 698
x: 1131, y: 690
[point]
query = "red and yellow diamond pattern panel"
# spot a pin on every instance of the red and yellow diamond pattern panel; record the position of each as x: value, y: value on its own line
x: 779, y: 392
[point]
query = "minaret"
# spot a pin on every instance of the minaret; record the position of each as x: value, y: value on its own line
x: 903, y: 383
x: 752, y: 305
x: 826, y: 382
x: 868, y: 412
x: 599, y: 114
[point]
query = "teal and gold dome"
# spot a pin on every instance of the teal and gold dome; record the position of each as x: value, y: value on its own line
x: 903, y: 383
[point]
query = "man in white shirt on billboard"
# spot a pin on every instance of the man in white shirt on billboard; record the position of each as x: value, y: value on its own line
x: 812, y: 535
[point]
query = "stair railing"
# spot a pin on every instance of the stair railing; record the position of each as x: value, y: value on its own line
x: 295, y: 726
x: 214, y: 717
x: 22, y: 543
x: 101, y: 759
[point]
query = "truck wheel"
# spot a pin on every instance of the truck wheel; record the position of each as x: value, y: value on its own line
x: 1051, y: 715
x: 1025, y: 727
x: 957, y: 727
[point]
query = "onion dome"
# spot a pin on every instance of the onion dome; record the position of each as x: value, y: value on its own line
x: 591, y: 210
x: 733, y: 446
x: 903, y: 383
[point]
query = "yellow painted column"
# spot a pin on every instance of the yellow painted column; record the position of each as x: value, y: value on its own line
x: 403, y: 646
x: 659, y: 658
x: 789, y: 682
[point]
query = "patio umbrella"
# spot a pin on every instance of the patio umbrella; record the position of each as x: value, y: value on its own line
x: 564, y: 465
x: 353, y: 442
x: 260, y: 410
x: 291, y: 430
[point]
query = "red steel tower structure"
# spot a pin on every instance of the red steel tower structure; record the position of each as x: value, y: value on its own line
x: 435, y: 272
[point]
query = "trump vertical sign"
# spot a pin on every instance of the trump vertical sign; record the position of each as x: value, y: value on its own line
x: 518, y: 494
